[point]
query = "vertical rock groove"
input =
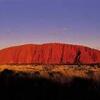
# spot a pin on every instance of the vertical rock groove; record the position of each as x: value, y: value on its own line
x: 77, y: 58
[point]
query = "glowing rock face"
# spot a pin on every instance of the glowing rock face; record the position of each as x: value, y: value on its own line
x: 53, y: 53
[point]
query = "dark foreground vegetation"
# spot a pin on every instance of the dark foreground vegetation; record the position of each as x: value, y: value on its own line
x: 19, y: 86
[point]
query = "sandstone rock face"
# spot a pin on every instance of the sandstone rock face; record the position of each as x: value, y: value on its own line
x: 52, y: 53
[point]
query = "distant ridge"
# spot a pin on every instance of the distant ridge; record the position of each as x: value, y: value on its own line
x: 50, y: 53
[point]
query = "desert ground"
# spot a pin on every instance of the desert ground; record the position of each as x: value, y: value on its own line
x: 50, y: 82
x: 57, y: 72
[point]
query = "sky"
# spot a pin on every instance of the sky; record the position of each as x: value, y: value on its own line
x: 45, y: 21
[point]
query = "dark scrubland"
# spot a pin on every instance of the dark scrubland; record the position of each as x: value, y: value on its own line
x: 28, y: 86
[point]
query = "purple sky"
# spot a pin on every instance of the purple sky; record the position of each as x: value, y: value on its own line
x: 42, y: 21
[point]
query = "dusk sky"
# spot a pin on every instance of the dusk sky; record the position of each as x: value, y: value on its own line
x: 44, y: 21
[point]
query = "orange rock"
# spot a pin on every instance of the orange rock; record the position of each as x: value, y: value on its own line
x: 52, y: 53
